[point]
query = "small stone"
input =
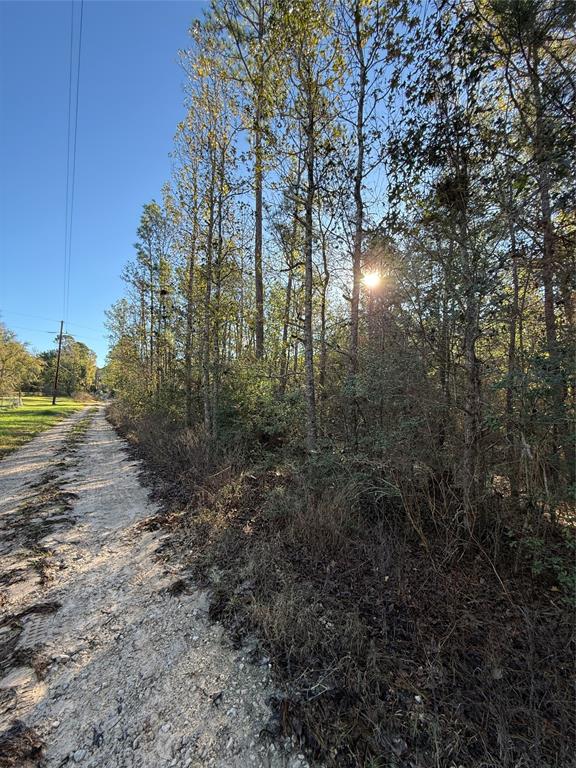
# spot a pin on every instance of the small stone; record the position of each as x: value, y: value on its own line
x: 79, y: 755
x: 56, y: 724
x: 166, y: 727
x: 399, y: 746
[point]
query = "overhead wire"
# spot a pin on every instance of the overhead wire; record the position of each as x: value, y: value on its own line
x: 76, y: 337
x: 71, y: 153
x: 71, y: 148
x: 66, y: 208
x: 53, y: 320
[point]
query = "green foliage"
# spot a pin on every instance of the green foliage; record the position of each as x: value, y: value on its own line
x: 554, y: 560
x: 77, y: 368
x: 20, y: 425
x: 19, y: 369
x: 429, y: 408
x: 251, y: 407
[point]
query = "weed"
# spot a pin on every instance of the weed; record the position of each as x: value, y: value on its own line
x: 392, y: 644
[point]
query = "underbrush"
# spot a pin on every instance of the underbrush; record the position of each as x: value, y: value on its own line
x: 394, y: 645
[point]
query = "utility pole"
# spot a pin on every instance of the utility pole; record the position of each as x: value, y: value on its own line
x: 58, y: 363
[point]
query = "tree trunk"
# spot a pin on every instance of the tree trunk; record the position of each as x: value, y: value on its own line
x: 216, y: 309
x: 540, y: 155
x: 323, y: 302
x: 311, y: 426
x: 190, y: 307
x: 444, y: 364
x: 557, y: 385
x: 258, y: 184
x: 206, y: 335
x: 152, y: 345
x: 511, y: 427
x: 358, y: 199
x: 143, y: 322
x: 323, y: 349
x: 358, y: 217
x: 285, y: 331
x: 472, y: 410
x: 285, y: 352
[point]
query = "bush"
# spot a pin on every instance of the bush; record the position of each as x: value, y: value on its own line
x: 392, y: 647
x: 251, y: 407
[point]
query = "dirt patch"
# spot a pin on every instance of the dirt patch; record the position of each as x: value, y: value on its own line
x: 117, y: 664
x: 20, y: 747
x: 35, y: 658
x: 77, y: 434
x: 11, y: 654
x: 37, y: 507
x: 41, y: 608
x: 10, y: 631
x: 178, y: 587
x: 45, y: 505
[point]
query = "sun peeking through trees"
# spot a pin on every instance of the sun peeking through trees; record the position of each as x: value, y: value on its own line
x: 361, y: 273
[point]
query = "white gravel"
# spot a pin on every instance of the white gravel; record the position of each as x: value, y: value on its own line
x: 136, y: 677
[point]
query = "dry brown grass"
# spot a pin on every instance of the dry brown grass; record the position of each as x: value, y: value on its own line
x: 394, y: 646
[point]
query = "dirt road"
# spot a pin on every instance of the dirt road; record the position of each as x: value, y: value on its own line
x: 101, y: 662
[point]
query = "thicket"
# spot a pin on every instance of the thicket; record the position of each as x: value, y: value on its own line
x: 24, y: 371
x: 346, y: 352
x: 19, y: 368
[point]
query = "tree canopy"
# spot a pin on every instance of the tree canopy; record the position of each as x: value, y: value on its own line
x: 359, y: 282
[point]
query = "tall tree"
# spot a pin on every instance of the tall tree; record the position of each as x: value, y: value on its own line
x: 249, y: 25
x: 315, y: 68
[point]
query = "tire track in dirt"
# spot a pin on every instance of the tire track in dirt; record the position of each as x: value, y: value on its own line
x: 135, y: 673
x: 33, y: 504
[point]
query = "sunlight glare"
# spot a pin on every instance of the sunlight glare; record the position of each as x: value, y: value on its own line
x: 371, y: 279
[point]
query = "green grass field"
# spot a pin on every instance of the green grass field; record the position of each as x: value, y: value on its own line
x: 19, y: 425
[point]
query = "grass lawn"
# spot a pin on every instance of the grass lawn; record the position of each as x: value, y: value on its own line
x: 19, y: 425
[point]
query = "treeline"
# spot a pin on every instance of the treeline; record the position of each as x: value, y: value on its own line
x: 24, y: 371
x: 346, y: 347
x: 368, y: 239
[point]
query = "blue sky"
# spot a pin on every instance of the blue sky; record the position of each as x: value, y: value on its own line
x: 130, y: 102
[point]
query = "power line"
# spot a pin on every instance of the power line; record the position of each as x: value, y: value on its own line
x: 66, y: 218
x: 77, y: 337
x: 32, y: 330
x: 34, y: 317
x: 74, y: 160
x: 71, y: 176
x: 52, y: 320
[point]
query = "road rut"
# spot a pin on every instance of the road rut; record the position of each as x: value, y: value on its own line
x: 107, y: 666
